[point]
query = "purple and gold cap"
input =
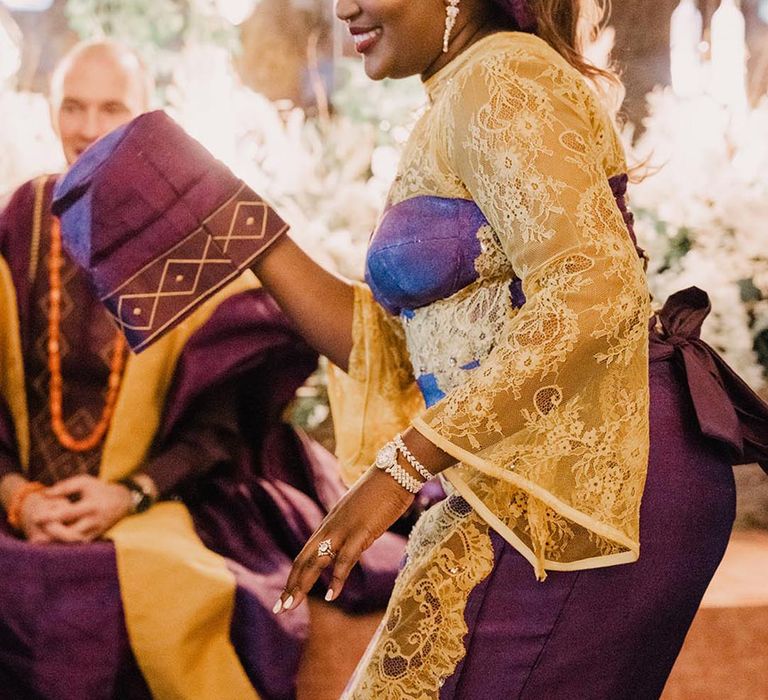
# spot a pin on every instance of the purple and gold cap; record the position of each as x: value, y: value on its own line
x: 159, y: 224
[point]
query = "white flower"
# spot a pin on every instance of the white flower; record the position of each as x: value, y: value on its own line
x: 701, y: 217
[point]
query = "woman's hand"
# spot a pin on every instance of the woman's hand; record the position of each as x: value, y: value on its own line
x: 86, y: 508
x: 368, y: 509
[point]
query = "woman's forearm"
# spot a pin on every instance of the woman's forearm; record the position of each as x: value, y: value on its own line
x: 317, y: 301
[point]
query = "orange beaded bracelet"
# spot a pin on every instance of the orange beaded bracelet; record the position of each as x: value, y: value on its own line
x: 17, y: 502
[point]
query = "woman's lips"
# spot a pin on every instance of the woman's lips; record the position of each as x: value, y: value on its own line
x: 365, y: 40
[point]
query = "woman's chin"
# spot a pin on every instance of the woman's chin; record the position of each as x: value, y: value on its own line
x: 374, y: 69
x: 379, y: 70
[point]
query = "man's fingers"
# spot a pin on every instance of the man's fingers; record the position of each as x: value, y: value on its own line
x: 38, y: 537
x: 63, y: 533
x: 67, y: 488
x: 89, y: 528
x: 65, y: 512
x: 46, y: 511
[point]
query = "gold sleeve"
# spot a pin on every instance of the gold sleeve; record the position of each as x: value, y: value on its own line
x: 551, y: 431
x: 378, y: 396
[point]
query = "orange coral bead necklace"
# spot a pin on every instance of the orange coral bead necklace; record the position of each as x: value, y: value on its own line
x: 117, y: 363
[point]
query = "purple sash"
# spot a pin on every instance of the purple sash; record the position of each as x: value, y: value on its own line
x: 726, y: 408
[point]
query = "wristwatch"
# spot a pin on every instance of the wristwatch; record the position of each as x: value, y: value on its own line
x: 141, y: 498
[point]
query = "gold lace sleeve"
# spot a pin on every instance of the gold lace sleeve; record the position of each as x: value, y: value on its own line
x: 551, y: 431
x: 378, y: 396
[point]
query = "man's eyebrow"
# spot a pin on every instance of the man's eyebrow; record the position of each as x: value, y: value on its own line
x: 115, y: 103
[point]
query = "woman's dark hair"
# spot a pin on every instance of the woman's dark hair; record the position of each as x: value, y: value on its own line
x: 568, y: 26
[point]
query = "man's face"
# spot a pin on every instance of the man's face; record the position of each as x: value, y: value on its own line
x: 98, y: 93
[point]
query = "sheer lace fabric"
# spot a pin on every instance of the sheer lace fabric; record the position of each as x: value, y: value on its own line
x: 422, y: 637
x: 550, y: 430
x: 378, y: 397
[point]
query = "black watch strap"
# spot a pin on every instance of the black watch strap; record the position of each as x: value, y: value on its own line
x: 141, y: 499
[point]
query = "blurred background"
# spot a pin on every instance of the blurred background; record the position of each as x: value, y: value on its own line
x: 274, y: 90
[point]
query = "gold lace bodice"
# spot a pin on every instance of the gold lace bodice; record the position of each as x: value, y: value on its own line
x: 550, y: 430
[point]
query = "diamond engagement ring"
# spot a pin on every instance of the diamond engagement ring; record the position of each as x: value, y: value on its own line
x: 324, y: 549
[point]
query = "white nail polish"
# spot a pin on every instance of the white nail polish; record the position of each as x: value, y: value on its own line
x: 288, y: 602
x: 278, y: 606
x: 329, y: 595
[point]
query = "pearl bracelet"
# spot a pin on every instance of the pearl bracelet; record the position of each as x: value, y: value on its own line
x: 418, y: 466
x: 386, y: 459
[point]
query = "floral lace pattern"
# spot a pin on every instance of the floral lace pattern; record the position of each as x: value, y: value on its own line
x: 378, y: 397
x: 550, y: 429
x: 449, y: 553
x: 477, y: 315
x: 554, y: 418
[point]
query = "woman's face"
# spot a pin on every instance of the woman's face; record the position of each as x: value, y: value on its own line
x: 396, y: 38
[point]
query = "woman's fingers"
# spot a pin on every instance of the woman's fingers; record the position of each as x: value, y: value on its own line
x: 306, y: 569
x: 364, y: 513
x: 343, y: 564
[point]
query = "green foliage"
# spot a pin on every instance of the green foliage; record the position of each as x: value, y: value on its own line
x: 748, y: 291
x: 678, y: 241
x: 386, y: 104
x: 155, y: 28
x: 761, y: 347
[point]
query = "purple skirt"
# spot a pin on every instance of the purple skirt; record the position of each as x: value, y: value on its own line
x: 613, y: 632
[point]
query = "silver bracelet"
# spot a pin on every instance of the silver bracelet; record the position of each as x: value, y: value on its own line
x: 386, y: 459
x: 418, y: 466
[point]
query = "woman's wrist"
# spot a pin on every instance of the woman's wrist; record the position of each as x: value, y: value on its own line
x: 426, y: 452
x: 397, y: 459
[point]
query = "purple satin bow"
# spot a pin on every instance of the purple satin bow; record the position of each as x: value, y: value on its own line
x: 726, y: 408
x: 521, y: 12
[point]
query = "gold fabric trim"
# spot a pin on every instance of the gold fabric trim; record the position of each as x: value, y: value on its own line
x: 12, y: 385
x: 145, y: 385
x: 180, y: 636
x: 37, y: 226
x: 178, y: 598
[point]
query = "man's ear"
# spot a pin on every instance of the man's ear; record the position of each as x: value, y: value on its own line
x: 53, y: 114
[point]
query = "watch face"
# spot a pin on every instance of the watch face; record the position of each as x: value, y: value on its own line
x: 136, y: 497
x: 386, y: 455
x: 140, y: 499
x: 144, y: 502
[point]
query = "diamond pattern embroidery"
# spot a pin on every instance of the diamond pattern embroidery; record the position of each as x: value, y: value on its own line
x: 249, y: 223
x: 217, y: 252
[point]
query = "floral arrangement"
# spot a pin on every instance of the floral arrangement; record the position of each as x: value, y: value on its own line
x: 27, y: 141
x: 328, y: 175
x: 701, y: 213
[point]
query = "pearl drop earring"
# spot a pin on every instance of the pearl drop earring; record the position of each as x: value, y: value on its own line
x: 451, y: 13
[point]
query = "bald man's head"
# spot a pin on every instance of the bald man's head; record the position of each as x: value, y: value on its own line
x: 96, y: 87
